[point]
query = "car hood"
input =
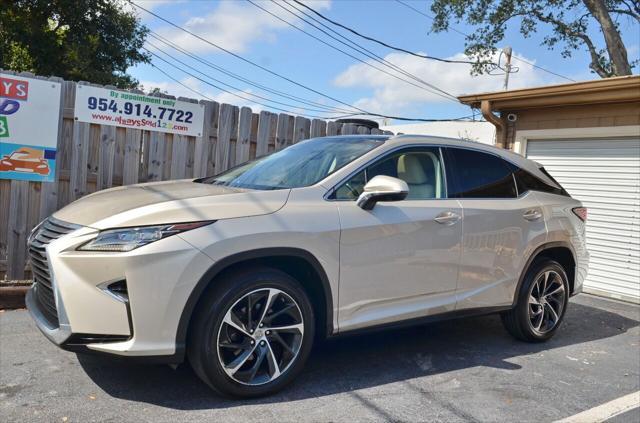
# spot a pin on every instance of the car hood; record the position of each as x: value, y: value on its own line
x: 169, y: 202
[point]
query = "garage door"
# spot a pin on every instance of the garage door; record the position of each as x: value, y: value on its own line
x: 605, y: 175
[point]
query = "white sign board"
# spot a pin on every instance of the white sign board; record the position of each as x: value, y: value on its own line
x: 129, y: 110
x: 29, y: 119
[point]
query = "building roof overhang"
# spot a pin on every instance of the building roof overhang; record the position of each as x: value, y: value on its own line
x: 611, y: 90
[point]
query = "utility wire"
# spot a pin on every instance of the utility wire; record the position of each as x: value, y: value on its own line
x: 234, y: 87
x: 446, y: 95
x: 357, y: 47
x: 467, y: 35
x: 382, y: 43
x: 269, y: 70
x: 243, y: 79
x: 364, y: 112
x: 428, y: 16
x: 249, y: 61
x: 235, y: 94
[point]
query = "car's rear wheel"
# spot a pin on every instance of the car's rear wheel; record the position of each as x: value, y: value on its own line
x: 252, y: 333
x: 542, y: 303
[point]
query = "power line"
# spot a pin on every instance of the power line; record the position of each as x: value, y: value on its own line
x: 446, y: 95
x: 359, y: 48
x: 243, y: 79
x: 247, y: 60
x: 366, y: 37
x: 467, y: 35
x: 428, y: 16
x: 224, y: 90
x: 365, y: 112
x: 234, y: 87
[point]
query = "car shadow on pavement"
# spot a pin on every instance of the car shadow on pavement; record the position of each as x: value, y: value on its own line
x: 362, y: 361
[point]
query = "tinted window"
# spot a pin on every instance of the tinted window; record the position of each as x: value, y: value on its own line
x: 528, y: 182
x: 421, y: 169
x: 474, y: 174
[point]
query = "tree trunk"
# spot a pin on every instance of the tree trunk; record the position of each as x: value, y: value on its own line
x: 615, y: 47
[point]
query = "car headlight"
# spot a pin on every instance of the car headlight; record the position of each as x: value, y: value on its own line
x: 127, y: 239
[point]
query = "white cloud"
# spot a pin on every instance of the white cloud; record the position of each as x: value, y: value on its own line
x: 390, y: 94
x: 232, y: 25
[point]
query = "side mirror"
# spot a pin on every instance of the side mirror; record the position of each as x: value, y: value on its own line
x: 382, y: 188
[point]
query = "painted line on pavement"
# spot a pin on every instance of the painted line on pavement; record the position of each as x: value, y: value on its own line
x: 606, y: 411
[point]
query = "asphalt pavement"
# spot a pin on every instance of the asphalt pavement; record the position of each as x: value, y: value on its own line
x: 462, y: 370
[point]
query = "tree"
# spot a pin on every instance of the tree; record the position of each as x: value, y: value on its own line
x: 570, y: 21
x: 87, y: 40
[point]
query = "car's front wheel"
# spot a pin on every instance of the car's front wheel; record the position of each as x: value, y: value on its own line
x: 252, y: 333
x: 541, y: 304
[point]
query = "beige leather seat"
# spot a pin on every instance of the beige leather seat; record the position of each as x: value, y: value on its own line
x: 411, y: 171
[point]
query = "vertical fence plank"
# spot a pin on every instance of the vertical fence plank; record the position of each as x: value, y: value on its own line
x: 156, y: 156
x: 318, y: 128
x: 203, y: 145
x: 234, y: 136
x: 65, y: 144
x: 106, y: 156
x: 333, y: 128
x: 282, y: 131
x: 255, y: 118
x: 213, y: 139
x: 79, y: 157
x: 301, y: 129
x: 133, y: 137
x: 349, y: 129
x: 264, y: 130
x: 179, y: 157
x: 243, y: 143
x: 143, y: 172
x: 273, y: 127
x: 5, y: 201
x: 225, y: 128
x: 17, y: 236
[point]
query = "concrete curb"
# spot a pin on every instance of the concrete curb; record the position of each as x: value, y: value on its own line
x: 12, y: 294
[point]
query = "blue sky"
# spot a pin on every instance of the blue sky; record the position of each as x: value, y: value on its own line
x: 248, y: 31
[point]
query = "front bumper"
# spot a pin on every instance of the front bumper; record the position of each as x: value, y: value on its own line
x: 159, y: 277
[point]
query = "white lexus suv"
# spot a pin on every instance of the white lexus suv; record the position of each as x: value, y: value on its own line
x: 238, y: 273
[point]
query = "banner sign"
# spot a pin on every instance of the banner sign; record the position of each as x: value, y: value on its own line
x: 29, y: 119
x: 129, y: 110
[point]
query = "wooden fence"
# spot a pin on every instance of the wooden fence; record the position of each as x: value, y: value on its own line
x: 93, y: 157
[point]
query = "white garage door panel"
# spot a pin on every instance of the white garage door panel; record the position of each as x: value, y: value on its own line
x: 605, y: 175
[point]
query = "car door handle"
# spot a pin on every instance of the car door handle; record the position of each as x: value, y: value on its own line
x: 532, y: 215
x: 447, y: 218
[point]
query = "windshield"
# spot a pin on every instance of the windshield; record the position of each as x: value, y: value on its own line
x: 299, y: 165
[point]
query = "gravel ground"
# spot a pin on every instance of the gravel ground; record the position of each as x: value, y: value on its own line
x: 462, y: 370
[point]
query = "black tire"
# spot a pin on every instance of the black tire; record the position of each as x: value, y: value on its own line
x: 520, y: 321
x: 203, y: 351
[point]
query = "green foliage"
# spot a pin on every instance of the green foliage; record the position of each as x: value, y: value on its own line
x: 567, y: 23
x: 81, y: 40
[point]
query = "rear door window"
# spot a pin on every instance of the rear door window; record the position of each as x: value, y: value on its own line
x: 475, y: 174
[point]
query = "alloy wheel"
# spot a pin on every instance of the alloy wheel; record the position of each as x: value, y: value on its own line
x: 260, y: 336
x: 546, y: 301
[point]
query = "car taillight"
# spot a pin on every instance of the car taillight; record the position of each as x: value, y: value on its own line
x: 581, y: 212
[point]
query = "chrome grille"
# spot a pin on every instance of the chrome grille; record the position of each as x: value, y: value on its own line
x: 47, y: 231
